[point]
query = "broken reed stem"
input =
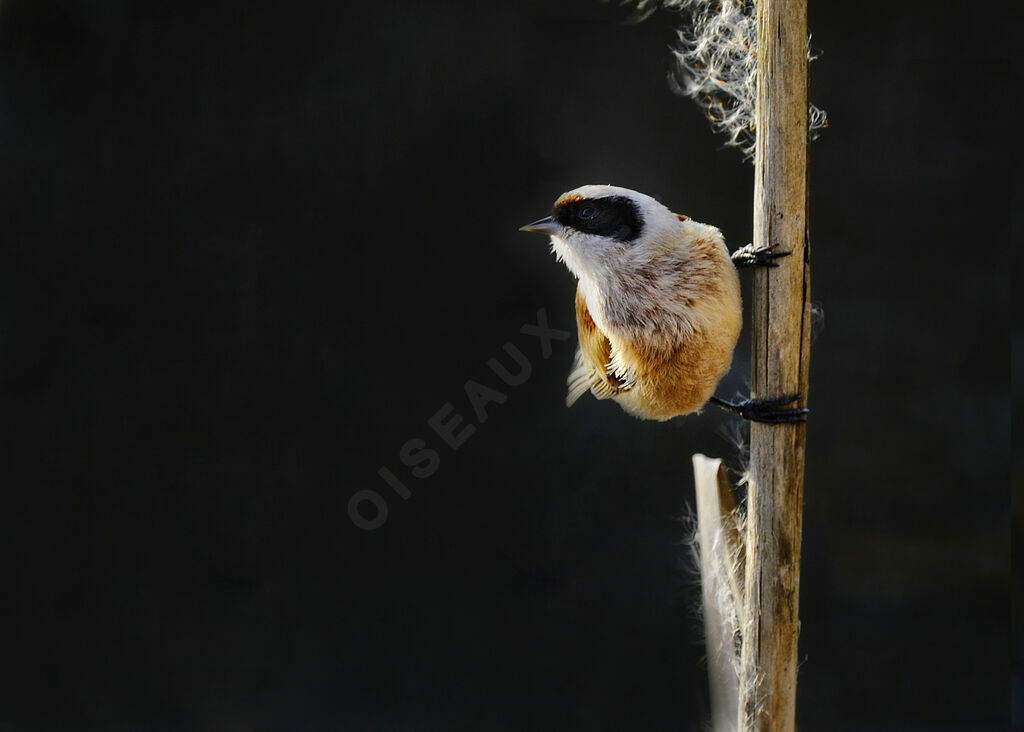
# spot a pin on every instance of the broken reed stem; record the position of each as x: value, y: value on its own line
x: 720, y: 551
x: 781, y: 344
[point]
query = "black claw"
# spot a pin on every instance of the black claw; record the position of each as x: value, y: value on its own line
x: 766, y: 411
x: 748, y: 256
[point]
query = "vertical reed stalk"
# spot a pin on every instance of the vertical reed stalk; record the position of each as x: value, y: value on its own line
x: 780, y: 357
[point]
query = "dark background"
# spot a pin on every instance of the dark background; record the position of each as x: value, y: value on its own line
x: 249, y: 251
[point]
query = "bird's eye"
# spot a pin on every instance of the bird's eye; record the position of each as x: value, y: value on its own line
x: 587, y: 212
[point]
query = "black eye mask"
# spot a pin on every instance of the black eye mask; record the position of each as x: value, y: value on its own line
x: 614, y: 217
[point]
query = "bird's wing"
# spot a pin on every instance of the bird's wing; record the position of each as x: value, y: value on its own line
x: 592, y: 368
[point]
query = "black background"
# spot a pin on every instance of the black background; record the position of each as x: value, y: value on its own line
x: 249, y: 251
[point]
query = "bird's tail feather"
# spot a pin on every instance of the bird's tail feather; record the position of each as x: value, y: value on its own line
x: 580, y: 379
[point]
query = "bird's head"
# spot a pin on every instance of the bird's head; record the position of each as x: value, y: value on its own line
x: 600, y: 230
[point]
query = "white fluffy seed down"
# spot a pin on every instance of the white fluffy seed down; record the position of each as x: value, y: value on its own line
x: 716, y: 64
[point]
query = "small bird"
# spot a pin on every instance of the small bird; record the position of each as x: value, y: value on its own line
x: 658, y: 307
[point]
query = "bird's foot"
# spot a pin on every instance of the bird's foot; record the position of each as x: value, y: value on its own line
x: 766, y: 411
x: 751, y: 256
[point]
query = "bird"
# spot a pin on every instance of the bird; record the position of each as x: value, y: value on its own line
x: 658, y: 304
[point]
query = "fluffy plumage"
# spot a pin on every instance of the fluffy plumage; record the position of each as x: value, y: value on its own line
x: 658, y: 307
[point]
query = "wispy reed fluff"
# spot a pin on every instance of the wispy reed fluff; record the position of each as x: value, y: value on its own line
x: 716, y: 64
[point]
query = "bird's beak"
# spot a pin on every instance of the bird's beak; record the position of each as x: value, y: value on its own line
x: 546, y: 225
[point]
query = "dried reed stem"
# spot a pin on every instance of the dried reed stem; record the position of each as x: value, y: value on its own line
x: 780, y: 357
x: 720, y: 553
